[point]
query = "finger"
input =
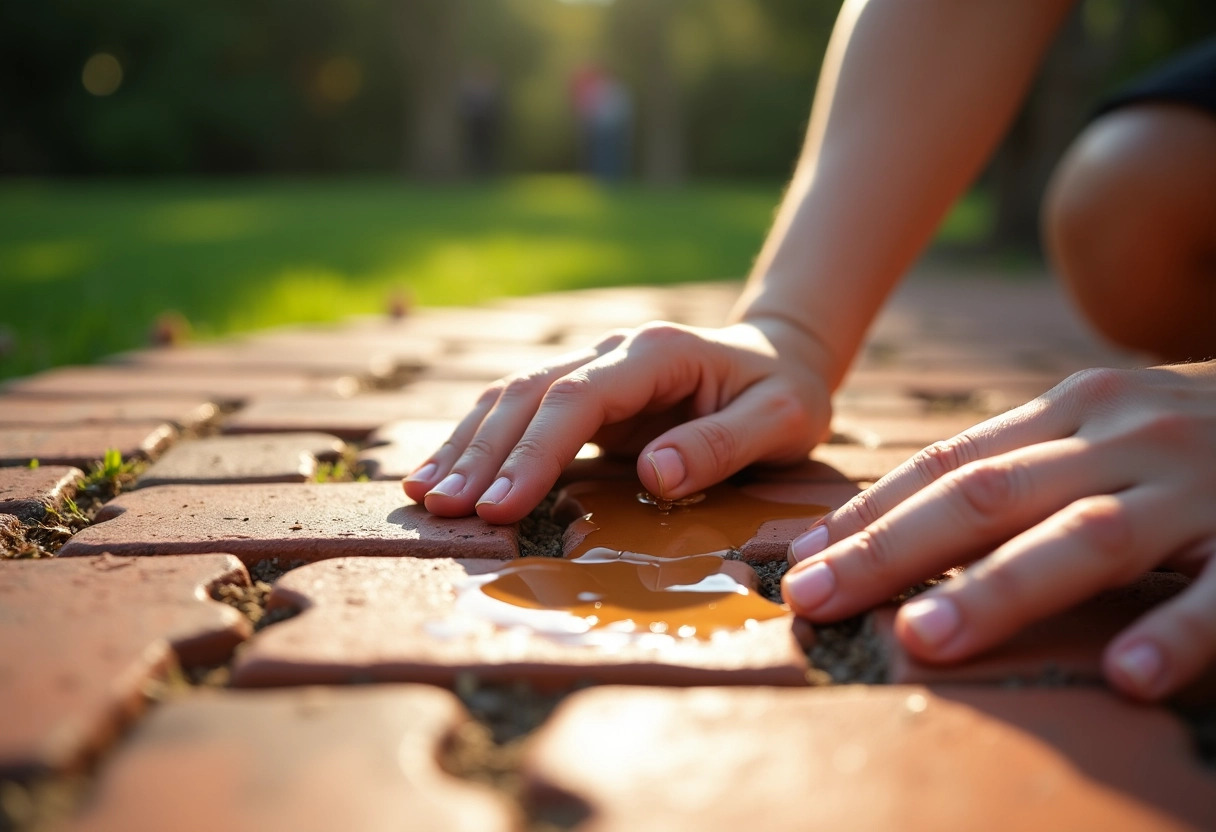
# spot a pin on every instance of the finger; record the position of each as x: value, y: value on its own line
x: 656, y: 367
x: 437, y: 466
x: 1170, y: 645
x: 767, y: 422
x: 1041, y: 420
x: 1094, y: 544
x: 953, y: 521
x: 465, y: 464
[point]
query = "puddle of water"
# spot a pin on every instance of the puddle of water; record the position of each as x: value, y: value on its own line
x: 614, y: 518
x: 640, y: 573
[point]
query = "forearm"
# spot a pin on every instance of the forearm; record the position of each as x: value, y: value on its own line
x: 912, y: 99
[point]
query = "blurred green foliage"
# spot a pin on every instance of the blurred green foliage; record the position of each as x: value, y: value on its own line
x: 90, y: 267
x: 318, y: 85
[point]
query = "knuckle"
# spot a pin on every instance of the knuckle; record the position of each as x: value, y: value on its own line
x: 984, y: 490
x: 491, y: 394
x: 479, y: 448
x: 1102, y: 526
x: 660, y: 335
x: 873, y: 551
x: 864, y: 509
x: 942, y: 458
x: 567, y: 390
x: 1097, y: 384
x: 534, y: 455
x: 719, y: 444
x: 525, y: 387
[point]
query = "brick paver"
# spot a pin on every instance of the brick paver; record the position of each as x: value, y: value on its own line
x: 358, y: 586
x: 285, y: 457
x: 186, y: 412
x: 876, y: 758
x: 401, y: 620
x: 286, y: 521
x: 79, y: 639
x: 28, y: 492
x: 357, y: 417
x: 310, y: 759
x: 81, y: 445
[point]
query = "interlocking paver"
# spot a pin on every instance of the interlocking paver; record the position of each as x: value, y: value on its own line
x: 318, y: 759
x: 319, y: 357
x: 486, y: 363
x: 356, y: 417
x: 125, y: 382
x: 186, y: 412
x: 900, y: 432
x: 79, y: 639
x: 284, y: 457
x: 400, y: 620
x: 885, y: 757
x: 479, y: 324
x: 861, y: 464
x: 81, y: 445
x: 1064, y: 647
x: 397, y: 449
x: 304, y: 521
x: 28, y: 492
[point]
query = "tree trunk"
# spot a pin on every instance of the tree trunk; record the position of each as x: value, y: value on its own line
x: 431, y: 60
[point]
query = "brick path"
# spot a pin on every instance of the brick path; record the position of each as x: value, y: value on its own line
x: 240, y: 642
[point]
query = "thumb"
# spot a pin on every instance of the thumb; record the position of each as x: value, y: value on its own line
x: 766, y: 423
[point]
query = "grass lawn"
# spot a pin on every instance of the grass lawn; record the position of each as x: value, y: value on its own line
x: 86, y: 267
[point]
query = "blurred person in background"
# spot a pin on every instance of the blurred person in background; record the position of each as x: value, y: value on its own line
x: 1108, y: 475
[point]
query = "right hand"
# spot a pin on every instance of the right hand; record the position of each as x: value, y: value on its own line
x: 696, y: 405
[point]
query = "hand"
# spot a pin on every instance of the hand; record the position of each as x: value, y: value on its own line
x: 699, y: 404
x: 1109, y: 475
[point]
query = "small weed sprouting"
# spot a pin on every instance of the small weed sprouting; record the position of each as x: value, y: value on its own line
x: 344, y: 469
x: 108, y: 478
x: 34, y: 463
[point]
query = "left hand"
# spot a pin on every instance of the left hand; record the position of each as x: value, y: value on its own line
x: 1108, y: 475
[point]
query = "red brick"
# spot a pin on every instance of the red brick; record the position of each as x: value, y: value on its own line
x: 478, y: 324
x: 319, y: 356
x: 304, y: 521
x: 320, y: 759
x: 125, y: 382
x: 79, y: 639
x: 398, y: 620
x: 27, y: 492
x: 867, y: 758
x: 489, y: 362
x: 860, y: 464
x: 1065, y: 647
x: 357, y: 417
x: 398, y: 448
x: 82, y: 445
x: 381, y: 337
x: 284, y: 457
x: 187, y: 412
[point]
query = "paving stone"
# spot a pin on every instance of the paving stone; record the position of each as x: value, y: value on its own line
x: 125, y: 382
x: 865, y: 758
x: 186, y: 412
x: 986, y: 389
x: 84, y: 444
x: 319, y: 759
x: 360, y: 337
x: 397, y: 449
x: 305, y: 521
x: 488, y: 362
x: 1066, y: 647
x: 861, y: 464
x: 357, y: 417
x: 28, y: 492
x: 481, y: 324
x: 283, y: 457
x: 319, y: 356
x: 370, y: 619
x: 80, y: 639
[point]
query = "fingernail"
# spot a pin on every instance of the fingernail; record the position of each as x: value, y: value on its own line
x: 809, y: 543
x: 424, y: 473
x: 1142, y: 663
x: 933, y: 619
x: 668, y: 467
x: 810, y: 587
x: 496, y: 493
x: 450, y: 486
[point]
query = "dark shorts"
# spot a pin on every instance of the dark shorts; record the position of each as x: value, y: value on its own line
x: 1189, y: 78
